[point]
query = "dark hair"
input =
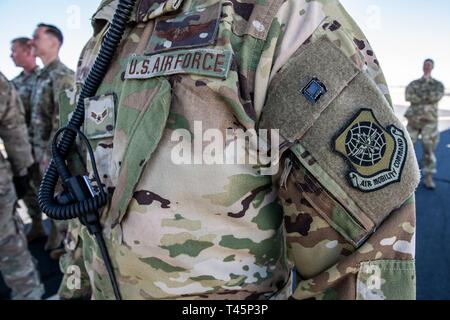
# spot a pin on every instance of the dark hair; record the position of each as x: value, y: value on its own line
x: 24, y: 42
x: 53, y: 30
x: 430, y: 60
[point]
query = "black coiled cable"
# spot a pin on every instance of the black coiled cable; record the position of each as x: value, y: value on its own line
x: 48, y: 204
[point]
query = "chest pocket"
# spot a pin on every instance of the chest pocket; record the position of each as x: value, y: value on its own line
x: 142, y: 116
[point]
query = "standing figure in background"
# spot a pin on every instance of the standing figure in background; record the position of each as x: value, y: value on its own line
x: 424, y: 95
x: 23, y: 57
x: 339, y: 210
x: 53, y: 79
x: 17, y: 265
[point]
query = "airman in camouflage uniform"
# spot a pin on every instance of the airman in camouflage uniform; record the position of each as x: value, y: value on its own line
x: 339, y: 212
x: 424, y: 95
x: 52, y: 80
x: 23, y: 56
x: 16, y: 263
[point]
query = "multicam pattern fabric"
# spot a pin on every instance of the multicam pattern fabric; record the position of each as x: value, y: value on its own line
x: 424, y: 95
x: 16, y: 263
x: 228, y: 232
x: 52, y: 80
x: 194, y: 28
x: 25, y: 84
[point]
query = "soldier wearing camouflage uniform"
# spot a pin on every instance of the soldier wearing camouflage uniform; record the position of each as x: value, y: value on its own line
x: 52, y: 80
x: 17, y: 266
x: 339, y: 212
x: 23, y: 56
x: 424, y: 95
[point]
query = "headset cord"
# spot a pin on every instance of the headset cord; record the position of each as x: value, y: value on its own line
x: 79, y: 201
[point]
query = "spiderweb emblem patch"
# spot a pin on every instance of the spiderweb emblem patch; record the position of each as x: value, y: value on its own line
x: 376, y: 154
x: 366, y: 144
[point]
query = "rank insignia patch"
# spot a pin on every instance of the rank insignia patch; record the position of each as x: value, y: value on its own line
x: 100, y: 117
x: 377, y: 155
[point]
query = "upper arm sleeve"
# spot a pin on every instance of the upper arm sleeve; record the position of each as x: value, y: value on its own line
x: 350, y: 172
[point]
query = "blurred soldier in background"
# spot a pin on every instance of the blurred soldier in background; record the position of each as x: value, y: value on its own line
x: 16, y: 263
x: 23, y: 57
x: 424, y: 95
x: 52, y: 80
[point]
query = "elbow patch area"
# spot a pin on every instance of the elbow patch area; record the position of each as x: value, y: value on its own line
x: 343, y: 131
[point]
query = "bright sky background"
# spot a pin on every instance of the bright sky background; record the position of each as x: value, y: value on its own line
x: 402, y: 32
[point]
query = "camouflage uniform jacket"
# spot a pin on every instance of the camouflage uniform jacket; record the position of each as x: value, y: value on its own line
x: 13, y: 132
x: 51, y: 81
x: 25, y: 84
x: 340, y: 210
x: 424, y: 95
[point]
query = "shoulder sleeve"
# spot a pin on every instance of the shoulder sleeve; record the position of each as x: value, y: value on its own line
x: 75, y: 284
x: 350, y: 171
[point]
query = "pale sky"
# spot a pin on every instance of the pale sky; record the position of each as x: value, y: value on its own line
x: 402, y: 32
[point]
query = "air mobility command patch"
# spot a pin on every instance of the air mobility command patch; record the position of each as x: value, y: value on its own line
x: 377, y: 155
x: 99, y: 117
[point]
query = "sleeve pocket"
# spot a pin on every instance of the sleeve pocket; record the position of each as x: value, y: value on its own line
x: 349, y: 139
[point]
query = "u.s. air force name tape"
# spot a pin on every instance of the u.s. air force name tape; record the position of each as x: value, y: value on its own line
x: 205, y: 62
